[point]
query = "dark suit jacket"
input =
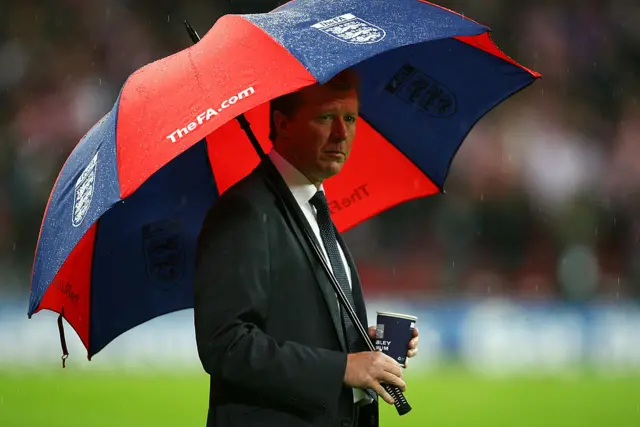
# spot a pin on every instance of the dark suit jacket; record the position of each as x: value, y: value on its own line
x: 267, y: 320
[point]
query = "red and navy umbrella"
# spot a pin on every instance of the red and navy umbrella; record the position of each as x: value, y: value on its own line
x: 117, y: 242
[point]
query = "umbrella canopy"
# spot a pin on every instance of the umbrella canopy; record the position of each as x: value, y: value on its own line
x: 117, y: 241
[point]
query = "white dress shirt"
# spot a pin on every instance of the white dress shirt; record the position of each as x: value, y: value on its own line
x: 303, y: 190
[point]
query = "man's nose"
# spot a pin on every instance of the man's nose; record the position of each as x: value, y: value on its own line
x: 339, y: 129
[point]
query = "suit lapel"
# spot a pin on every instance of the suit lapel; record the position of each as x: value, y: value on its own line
x: 360, y: 308
x: 316, y: 266
x: 356, y: 285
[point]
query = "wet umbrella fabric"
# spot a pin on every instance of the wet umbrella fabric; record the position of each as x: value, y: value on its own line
x: 117, y: 242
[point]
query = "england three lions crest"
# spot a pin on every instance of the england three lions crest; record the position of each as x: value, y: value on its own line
x: 351, y: 29
x: 164, y: 253
x: 83, y: 193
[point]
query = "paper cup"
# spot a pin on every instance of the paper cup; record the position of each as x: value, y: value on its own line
x: 393, y: 333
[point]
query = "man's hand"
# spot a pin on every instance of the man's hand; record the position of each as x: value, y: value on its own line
x: 413, y: 344
x: 369, y: 369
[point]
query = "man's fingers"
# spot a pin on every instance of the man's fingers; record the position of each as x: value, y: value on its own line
x: 392, y: 379
x: 377, y: 387
x: 412, y: 353
x: 372, y: 331
x: 414, y: 342
x: 394, y: 368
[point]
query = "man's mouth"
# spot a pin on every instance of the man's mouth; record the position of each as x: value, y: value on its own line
x: 334, y: 154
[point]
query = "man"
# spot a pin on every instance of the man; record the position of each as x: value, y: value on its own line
x: 269, y: 329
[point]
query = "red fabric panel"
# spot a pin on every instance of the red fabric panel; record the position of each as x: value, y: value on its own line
x: 71, y: 288
x: 173, y: 103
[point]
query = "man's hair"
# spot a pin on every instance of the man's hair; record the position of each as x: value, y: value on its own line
x: 288, y: 104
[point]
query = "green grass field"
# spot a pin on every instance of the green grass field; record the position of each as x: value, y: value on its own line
x: 450, y: 397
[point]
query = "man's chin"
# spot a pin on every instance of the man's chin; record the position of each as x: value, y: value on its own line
x: 331, y: 168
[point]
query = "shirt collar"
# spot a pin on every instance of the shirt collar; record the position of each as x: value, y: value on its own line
x: 301, y: 188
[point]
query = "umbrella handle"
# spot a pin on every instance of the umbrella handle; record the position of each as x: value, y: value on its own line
x: 283, y: 192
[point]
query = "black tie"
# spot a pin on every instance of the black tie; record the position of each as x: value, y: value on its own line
x: 328, y: 234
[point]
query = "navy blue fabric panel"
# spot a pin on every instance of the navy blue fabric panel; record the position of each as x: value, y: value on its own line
x: 87, y: 187
x: 145, y: 247
x: 328, y: 36
x: 425, y: 100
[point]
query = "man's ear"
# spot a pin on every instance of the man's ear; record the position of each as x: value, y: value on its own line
x: 281, y: 123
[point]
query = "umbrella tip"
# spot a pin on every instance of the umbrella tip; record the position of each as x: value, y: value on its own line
x: 195, y: 38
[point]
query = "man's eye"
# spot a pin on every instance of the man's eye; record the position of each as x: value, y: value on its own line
x: 350, y: 119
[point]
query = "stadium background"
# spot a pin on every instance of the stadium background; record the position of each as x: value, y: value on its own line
x: 525, y: 276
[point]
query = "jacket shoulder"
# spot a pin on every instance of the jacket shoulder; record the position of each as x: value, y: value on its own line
x: 252, y: 189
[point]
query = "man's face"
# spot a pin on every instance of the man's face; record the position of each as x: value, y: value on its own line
x: 317, y: 138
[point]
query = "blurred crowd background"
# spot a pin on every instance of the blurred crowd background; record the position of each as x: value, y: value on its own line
x: 529, y: 265
x: 542, y: 201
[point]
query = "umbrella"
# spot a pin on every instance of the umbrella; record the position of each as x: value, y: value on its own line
x: 118, y: 236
